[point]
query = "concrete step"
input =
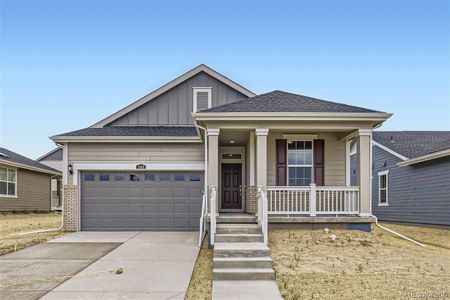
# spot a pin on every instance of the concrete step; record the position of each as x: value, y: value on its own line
x: 243, y: 274
x: 237, y: 218
x: 238, y: 237
x: 241, y: 250
x: 242, y: 262
x: 238, y: 228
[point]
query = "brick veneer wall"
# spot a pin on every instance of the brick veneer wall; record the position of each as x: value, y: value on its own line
x: 250, y: 205
x: 70, y: 208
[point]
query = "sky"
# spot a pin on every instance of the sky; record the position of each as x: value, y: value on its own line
x: 64, y: 65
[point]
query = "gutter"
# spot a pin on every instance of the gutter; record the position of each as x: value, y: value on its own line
x: 424, y: 158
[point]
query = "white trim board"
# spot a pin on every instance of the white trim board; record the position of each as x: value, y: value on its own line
x: 170, y: 85
x: 424, y: 158
x: 389, y: 150
x: 131, y: 166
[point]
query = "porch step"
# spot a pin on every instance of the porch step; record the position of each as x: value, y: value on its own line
x: 238, y: 228
x: 243, y: 274
x: 237, y: 218
x: 242, y: 262
x: 239, y: 237
x: 241, y: 250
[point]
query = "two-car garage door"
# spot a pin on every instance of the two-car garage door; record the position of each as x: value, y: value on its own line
x: 112, y: 201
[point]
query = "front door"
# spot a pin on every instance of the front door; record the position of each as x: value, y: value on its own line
x: 231, y: 186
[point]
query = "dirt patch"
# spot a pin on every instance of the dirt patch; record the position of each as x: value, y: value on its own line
x: 360, y: 265
x: 12, y: 225
x: 200, y: 286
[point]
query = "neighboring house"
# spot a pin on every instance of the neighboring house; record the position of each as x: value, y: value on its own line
x: 24, y: 183
x: 53, y: 159
x: 410, y: 176
x: 145, y: 166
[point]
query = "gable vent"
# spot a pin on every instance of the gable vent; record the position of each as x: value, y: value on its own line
x: 201, y: 99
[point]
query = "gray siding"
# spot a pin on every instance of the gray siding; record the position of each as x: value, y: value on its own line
x: 57, y: 155
x: 33, y: 192
x: 418, y: 193
x: 175, y: 106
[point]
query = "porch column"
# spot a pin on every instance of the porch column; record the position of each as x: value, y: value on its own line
x: 365, y: 171
x: 213, y: 157
x: 261, y: 156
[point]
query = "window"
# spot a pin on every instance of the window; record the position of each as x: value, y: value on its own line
x: 104, y: 177
x: 195, y: 176
x: 383, y: 188
x: 119, y: 177
x: 231, y: 156
x: 149, y: 177
x: 164, y: 177
x: 8, y: 182
x: 180, y: 176
x: 89, y: 177
x: 300, y: 163
x: 201, y: 98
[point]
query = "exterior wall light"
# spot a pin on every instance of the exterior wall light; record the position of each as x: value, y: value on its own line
x: 70, y: 168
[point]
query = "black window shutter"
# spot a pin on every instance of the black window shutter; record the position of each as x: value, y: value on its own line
x: 319, y: 162
x: 281, y: 162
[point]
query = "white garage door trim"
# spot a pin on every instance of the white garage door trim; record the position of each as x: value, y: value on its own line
x: 124, y: 166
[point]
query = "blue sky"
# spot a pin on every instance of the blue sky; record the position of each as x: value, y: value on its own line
x: 67, y: 64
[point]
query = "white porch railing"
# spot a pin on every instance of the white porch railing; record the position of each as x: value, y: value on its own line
x: 213, y: 213
x: 312, y: 200
x: 202, y: 219
x: 262, y: 212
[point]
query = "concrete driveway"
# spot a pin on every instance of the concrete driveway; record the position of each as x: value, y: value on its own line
x: 156, y: 265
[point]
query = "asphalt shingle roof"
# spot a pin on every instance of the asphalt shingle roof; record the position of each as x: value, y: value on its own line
x: 20, y: 159
x: 279, y: 101
x: 135, y: 131
x: 413, y: 144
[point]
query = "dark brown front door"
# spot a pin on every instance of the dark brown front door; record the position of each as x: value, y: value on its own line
x: 231, y: 186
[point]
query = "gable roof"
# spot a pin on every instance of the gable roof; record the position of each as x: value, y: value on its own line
x: 279, y: 101
x: 59, y: 148
x: 11, y: 158
x: 170, y: 85
x: 415, y: 145
x: 131, y: 132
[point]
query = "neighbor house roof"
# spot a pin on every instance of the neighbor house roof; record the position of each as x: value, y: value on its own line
x: 415, y: 146
x: 200, y: 68
x: 11, y: 158
x: 59, y: 148
x: 279, y: 101
x: 188, y: 132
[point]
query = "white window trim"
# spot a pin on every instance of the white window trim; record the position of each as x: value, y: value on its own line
x: 15, y: 190
x: 386, y: 173
x: 196, y: 90
x: 287, y: 160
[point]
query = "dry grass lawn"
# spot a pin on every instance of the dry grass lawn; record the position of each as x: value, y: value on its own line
x: 360, y: 265
x: 11, y: 225
x: 200, y: 286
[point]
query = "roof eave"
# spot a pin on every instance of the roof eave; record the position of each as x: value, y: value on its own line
x: 27, y: 167
x: 127, y: 139
x: 304, y: 116
x: 424, y: 158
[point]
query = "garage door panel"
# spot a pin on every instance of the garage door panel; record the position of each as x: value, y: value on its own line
x: 140, y: 201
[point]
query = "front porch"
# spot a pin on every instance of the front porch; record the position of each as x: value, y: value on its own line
x: 291, y: 175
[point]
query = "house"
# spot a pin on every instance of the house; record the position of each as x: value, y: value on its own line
x: 24, y: 183
x: 53, y: 159
x: 202, y: 146
x: 410, y: 176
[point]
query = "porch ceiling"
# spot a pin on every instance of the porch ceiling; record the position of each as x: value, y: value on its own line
x: 233, y: 137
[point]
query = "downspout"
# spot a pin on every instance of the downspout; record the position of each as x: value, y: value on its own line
x: 205, y: 188
x: 396, y: 233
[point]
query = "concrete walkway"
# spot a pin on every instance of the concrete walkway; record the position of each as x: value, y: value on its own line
x: 156, y: 265
x: 245, y: 289
x: 34, y: 271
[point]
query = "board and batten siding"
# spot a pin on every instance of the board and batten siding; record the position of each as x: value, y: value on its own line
x: 33, y: 192
x: 174, y: 107
x: 334, y: 159
x: 136, y: 152
x: 418, y: 193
